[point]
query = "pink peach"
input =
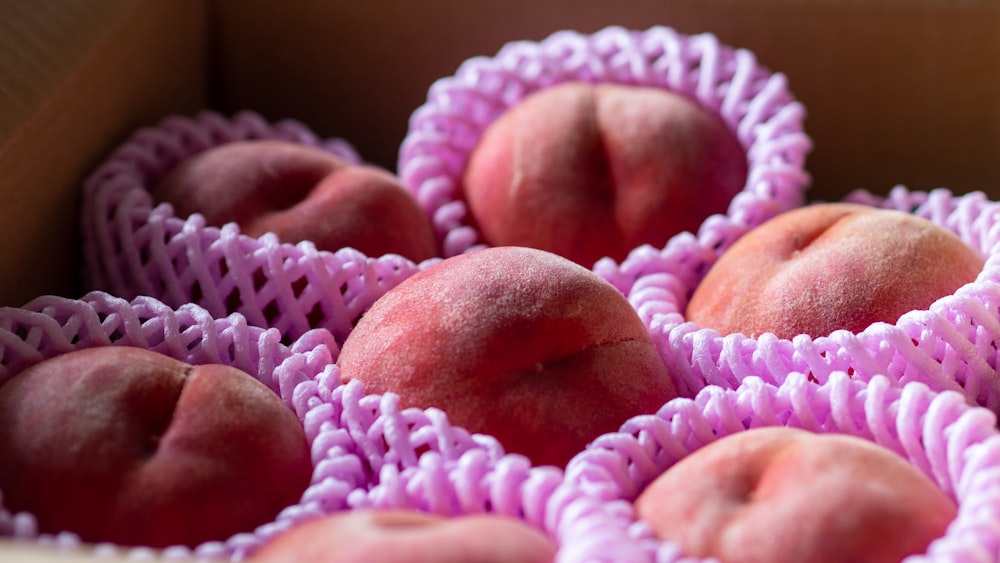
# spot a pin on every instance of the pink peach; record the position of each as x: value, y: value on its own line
x: 300, y: 193
x: 831, y: 266
x: 386, y: 536
x: 593, y: 170
x: 775, y: 495
x: 515, y: 342
x: 133, y: 447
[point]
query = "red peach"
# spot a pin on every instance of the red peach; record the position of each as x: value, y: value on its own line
x: 594, y: 170
x: 300, y: 193
x: 779, y: 495
x: 385, y: 536
x: 831, y: 266
x: 130, y: 446
x: 515, y: 342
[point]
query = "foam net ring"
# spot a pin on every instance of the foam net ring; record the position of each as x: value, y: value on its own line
x: 366, y: 450
x: 418, y: 459
x: 755, y: 103
x: 956, y: 444
x: 49, y: 326
x: 133, y: 246
x: 953, y: 345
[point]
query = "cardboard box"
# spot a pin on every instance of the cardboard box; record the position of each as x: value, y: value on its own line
x: 75, y: 79
x: 897, y: 91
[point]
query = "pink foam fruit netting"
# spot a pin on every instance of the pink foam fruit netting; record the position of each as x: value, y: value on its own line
x: 49, y: 326
x: 134, y: 246
x: 366, y: 451
x: 754, y: 102
x: 956, y: 444
x: 369, y: 453
x: 950, y: 346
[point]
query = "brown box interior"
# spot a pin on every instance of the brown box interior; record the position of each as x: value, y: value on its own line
x: 897, y: 92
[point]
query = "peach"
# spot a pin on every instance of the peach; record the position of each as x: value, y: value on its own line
x: 831, y: 266
x: 384, y: 536
x: 300, y: 193
x: 515, y: 342
x: 594, y: 170
x: 133, y: 447
x: 782, y: 494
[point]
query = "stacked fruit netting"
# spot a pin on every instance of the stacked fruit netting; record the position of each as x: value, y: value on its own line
x: 134, y: 246
x: 913, y: 385
x: 369, y: 453
x: 361, y: 444
x: 753, y: 101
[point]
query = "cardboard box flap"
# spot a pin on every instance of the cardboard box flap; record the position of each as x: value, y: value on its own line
x: 75, y: 79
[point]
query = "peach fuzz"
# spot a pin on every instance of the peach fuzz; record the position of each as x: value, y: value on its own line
x: 831, y: 266
x: 787, y: 495
x: 593, y: 170
x: 384, y: 536
x: 515, y: 342
x: 130, y: 446
x: 300, y: 193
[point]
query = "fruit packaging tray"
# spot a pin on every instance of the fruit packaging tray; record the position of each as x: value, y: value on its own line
x: 925, y: 387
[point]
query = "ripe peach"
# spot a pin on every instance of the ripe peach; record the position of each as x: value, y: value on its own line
x: 594, y: 170
x: 781, y: 494
x: 300, y: 193
x: 130, y: 446
x: 384, y: 536
x: 515, y: 342
x: 831, y: 266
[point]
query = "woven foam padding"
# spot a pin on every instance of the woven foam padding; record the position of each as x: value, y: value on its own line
x: 49, y: 326
x: 955, y: 444
x: 366, y: 451
x: 420, y: 460
x: 951, y: 346
x: 132, y: 246
x: 755, y: 103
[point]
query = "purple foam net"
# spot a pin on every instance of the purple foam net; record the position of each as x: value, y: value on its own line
x: 49, y: 326
x: 754, y: 102
x: 951, y: 346
x: 957, y: 445
x: 132, y: 246
x: 366, y: 450
x: 420, y: 461
x: 369, y: 453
